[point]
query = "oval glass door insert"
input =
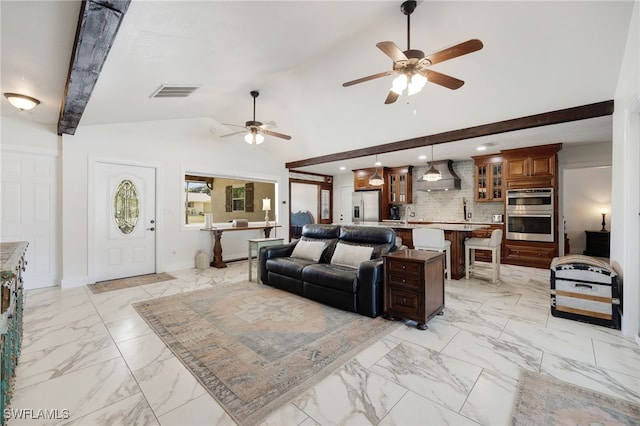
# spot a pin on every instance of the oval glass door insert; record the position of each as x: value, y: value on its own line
x: 126, y: 207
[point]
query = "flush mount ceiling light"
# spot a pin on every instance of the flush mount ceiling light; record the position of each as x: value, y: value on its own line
x: 22, y: 102
x: 376, y: 179
x: 432, y: 174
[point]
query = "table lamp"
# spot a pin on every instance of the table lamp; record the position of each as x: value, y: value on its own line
x: 266, y: 206
x: 604, y: 213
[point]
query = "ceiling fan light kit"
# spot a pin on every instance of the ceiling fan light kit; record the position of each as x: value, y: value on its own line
x: 413, y: 67
x: 255, y: 130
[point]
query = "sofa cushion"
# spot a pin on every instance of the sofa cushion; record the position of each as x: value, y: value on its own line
x: 288, y: 266
x: 322, y: 232
x: 350, y: 255
x: 331, y: 276
x: 382, y: 239
x: 309, y: 250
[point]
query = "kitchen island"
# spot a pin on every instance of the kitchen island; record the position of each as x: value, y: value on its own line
x: 454, y: 232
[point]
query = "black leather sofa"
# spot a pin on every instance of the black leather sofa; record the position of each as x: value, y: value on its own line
x: 349, y: 288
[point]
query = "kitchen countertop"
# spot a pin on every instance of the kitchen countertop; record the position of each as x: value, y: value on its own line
x: 447, y: 226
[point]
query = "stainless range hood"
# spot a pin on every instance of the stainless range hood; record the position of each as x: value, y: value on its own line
x: 449, y: 181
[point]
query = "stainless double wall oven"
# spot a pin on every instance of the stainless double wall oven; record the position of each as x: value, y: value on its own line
x: 530, y: 214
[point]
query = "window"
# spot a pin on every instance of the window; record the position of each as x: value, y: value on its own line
x: 197, y: 198
x: 224, y: 198
x: 237, y: 199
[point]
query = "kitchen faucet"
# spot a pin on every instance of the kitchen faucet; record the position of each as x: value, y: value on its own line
x: 407, y: 212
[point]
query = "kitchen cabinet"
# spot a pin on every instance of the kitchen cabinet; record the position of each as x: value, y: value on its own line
x: 361, y: 178
x: 534, y: 167
x: 488, y: 178
x: 399, y: 185
x: 414, y: 285
x: 526, y: 253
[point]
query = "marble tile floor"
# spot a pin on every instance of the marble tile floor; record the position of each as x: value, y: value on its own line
x: 95, y: 357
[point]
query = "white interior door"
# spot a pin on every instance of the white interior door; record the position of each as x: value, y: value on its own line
x: 346, y: 194
x: 124, y: 221
x: 29, y: 213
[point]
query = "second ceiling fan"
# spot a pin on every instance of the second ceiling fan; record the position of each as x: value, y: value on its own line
x: 412, y: 66
x: 255, y: 130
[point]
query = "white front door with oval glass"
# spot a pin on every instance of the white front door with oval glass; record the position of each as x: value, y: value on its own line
x: 124, y: 221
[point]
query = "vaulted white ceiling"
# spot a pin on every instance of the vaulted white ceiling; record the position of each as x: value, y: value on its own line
x: 538, y: 56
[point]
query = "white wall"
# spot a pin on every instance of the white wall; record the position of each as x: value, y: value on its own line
x: 625, y: 200
x: 584, y: 192
x: 304, y: 197
x: 172, y: 147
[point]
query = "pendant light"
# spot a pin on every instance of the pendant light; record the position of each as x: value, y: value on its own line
x: 432, y: 174
x: 376, y: 179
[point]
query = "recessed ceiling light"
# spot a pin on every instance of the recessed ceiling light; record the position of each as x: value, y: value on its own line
x: 422, y: 157
x: 481, y: 148
x: 343, y: 168
x: 378, y: 163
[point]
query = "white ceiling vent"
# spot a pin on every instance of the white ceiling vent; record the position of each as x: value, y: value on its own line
x: 173, y: 91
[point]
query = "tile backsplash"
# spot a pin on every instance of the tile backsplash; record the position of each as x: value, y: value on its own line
x: 447, y: 206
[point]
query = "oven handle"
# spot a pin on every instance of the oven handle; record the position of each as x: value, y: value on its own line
x: 538, y: 195
x: 529, y: 214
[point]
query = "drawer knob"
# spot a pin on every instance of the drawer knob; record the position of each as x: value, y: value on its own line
x: 404, y: 300
x: 404, y: 281
x: 403, y: 267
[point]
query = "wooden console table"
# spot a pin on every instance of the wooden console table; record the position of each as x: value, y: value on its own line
x: 414, y: 285
x: 217, y: 261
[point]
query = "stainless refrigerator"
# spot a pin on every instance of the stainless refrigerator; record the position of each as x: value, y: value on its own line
x: 365, y: 207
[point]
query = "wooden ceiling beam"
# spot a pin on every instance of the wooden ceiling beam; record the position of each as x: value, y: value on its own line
x: 98, y: 25
x: 583, y: 112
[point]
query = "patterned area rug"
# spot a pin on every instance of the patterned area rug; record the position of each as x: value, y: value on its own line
x: 543, y: 400
x: 104, y: 286
x: 254, y: 347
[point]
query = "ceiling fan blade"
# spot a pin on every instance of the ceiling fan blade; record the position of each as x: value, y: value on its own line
x: 233, y: 134
x: 270, y: 123
x: 455, y: 51
x: 442, y: 79
x: 276, y: 134
x: 392, y: 50
x: 391, y: 97
x: 367, y: 78
x: 233, y: 125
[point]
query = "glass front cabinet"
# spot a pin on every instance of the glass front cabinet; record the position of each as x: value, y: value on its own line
x: 400, y: 188
x: 488, y: 178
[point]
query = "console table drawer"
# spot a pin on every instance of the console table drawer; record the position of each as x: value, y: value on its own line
x: 397, y: 266
x: 402, y: 301
x: 408, y: 281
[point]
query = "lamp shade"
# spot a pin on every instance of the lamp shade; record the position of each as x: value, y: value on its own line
x: 376, y: 179
x: 22, y: 102
x: 266, y: 204
x: 432, y: 174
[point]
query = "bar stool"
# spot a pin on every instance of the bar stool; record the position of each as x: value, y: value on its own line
x: 433, y: 239
x: 256, y: 244
x: 492, y: 244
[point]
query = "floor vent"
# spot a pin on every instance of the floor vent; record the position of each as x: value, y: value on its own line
x: 173, y: 91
